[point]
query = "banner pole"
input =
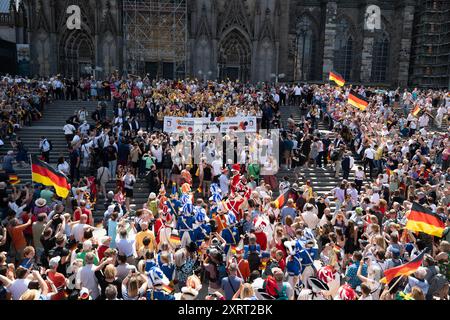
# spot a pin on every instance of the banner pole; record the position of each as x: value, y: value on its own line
x: 31, y: 169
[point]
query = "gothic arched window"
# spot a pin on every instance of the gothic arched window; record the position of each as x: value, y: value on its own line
x: 305, y: 55
x: 343, y: 49
x: 380, y: 57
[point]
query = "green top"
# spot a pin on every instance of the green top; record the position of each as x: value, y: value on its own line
x: 82, y: 256
x: 254, y: 170
x: 47, y: 195
x: 148, y: 161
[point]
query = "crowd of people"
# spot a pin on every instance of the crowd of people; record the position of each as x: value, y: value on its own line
x: 214, y: 226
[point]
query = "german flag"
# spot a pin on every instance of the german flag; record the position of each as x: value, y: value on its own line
x: 168, y: 289
x: 43, y: 173
x: 416, y: 110
x: 357, y: 100
x: 13, y: 179
x: 404, y: 269
x: 281, y: 201
x: 423, y: 220
x: 175, y: 239
x: 336, y: 77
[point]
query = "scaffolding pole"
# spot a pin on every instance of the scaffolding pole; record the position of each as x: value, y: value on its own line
x: 155, y: 31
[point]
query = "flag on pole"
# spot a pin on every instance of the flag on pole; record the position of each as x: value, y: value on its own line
x: 336, y: 77
x: 281, y: 201
x: 424, y: 220
x: 13, y: 179
x: 404, y: 269
x: 357, y: 100
x: 43, y: 173
x: 416, y: 110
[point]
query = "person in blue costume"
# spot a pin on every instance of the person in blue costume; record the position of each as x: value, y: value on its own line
x: 150, y: 261
x: 214, y: 200
x: 231, y: 233
x: 307, y: 256
x: 202, y: 228
x: 185, y: 222
x: 293, y: 261
x: 173, y: 204
x: 157, y: 283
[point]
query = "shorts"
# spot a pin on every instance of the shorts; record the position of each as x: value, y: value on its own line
x: 128, y: 193
x: 135, y: 165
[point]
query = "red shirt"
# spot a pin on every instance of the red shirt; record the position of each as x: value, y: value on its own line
x: 282, y: 264
x: 59, y: 281
x: 261, y: 239
x: 158, y: 226
x: 101, y: 251
x: 78, y: 212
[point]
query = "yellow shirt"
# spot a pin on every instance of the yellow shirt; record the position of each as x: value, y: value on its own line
x: 140, y: 238
x: 379, y: 153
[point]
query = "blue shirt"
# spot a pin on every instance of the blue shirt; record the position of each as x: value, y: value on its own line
x: 351, y: 276
x: 159, y: 295
x: 230, y: 285
x: 287, y: 211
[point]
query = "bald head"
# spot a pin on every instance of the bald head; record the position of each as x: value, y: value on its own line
x: 83, y: 218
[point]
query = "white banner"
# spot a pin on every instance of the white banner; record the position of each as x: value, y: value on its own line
x: 219, y: 124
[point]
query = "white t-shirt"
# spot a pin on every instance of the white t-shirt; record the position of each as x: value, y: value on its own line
x: 224, y: 183
x: 69, y: 129
x: 216, y: 166
x: 86, y: 278
x: 18, y: 287
x: 369, y: 153
x: 311, y: 219
x: 78, y: 231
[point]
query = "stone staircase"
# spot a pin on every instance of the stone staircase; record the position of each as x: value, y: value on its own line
x: 55, y: 115
x: 322, y: 179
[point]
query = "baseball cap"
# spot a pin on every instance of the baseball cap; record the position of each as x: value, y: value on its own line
x: 84, y: 294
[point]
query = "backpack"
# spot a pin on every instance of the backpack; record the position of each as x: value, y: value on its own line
x: 221, y: 271
x: 50, y: 144
x: 254, y: 260
x: 334, y: 155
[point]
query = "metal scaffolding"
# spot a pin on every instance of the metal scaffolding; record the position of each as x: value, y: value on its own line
x: 431, y: 45
x: 155, y: 33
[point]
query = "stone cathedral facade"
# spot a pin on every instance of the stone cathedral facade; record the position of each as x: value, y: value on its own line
x: 249, y: 40
x: 303, y: 39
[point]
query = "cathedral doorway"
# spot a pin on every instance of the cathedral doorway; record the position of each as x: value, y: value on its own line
x: 76, y: 54
x: 234, y: 57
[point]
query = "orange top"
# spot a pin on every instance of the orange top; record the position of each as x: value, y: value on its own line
x: 244, y: 269
x: 221, y: 223
x: 18, y: 239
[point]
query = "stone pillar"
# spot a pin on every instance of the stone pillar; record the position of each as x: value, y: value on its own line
x: 329, y: 40
x: 405, y: 42
x: 366, y: 56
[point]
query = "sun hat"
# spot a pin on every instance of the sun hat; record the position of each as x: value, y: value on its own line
x: 152, y: 195
x: 40, y: 202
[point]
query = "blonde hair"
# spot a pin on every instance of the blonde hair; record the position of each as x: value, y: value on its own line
x: 110, y: 271
x: 30, y: 294
x: 379, y: 240
x: 417, y: 293
x: 133, y: 287
x: 247, y: 291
